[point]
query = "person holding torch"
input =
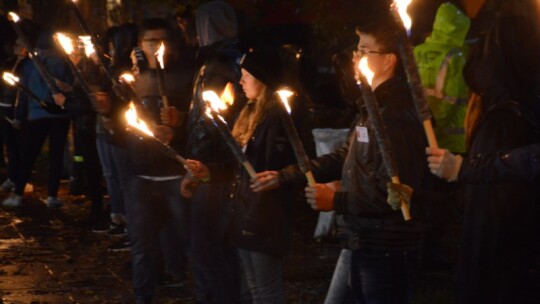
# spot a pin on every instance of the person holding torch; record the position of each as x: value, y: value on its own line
x: 262, y: 225
x: 384, y: 245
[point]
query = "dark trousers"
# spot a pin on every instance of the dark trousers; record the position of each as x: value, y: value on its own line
x: 214, y: 259
x: 86, y: 154
x: 157, y: 219
x: 12, y: 140
x: 56, y: 130
x: 379, y: 277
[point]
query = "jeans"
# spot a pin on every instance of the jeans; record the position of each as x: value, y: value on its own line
x: 157, y: 217
x: 117, y: 173
x: 214, y: 257
x: 340, y: 291
x: 56, y: 129
x: 264, y: 276
x: 382, y: 277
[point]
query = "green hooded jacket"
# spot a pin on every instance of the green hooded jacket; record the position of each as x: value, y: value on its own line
x: 440, y: 60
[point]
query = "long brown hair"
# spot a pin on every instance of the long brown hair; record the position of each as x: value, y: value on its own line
x: 472, y: 117
x: 252, y: 113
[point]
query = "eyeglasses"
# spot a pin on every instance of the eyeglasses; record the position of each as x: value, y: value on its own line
x: 363, y: 52
x: 154, y: 40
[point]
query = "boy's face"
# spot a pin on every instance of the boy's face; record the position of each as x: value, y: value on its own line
x: 151, y: 41
x: 376, y: 57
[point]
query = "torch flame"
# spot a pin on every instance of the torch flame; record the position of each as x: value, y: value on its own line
x: 134, y: 121
x: 88, y: 46
x: 65, y: 42
x: 159, y: 55
x: 228, y: 94
x: 365, y: 70
x: 214, y: 101
x: 284, y: 95
x: 10, y: 78
x: 402, y: 10
x: 127, y: 77
x: 13, y: 17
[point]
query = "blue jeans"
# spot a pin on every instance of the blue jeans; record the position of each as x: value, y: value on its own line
x: 382, y: 277
x: 117, y: 173
x: 158, y: 217
x: 264, y: 277
x: 340, y: 291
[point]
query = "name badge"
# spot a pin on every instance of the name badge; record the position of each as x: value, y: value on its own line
x: 362, y: 134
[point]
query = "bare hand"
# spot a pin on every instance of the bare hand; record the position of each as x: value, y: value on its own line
x: 265, y: 181
x: 320, y: 197
x: 164, y: 134
x: 59, y: 99
x: 170, y: 116
x: 187, y: 185
x: 197, y: 169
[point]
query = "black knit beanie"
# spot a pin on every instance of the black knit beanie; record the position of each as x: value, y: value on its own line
x: 265, y: 65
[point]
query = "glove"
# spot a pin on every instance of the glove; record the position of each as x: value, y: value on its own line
x: 444, y: 164
x: 398, y: 193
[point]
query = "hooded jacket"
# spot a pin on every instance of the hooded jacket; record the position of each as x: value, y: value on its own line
x: 441, y: 59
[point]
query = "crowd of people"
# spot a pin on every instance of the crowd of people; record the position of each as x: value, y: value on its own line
x: 230, y: 228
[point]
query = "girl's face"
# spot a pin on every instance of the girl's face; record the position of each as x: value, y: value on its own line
x: 252, y: 87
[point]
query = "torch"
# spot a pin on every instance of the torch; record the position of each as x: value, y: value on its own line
x: 40, y: 66
x: 399, y: 12
x: 160, y: 75
x: 294, y: 139
x: 379, y: 128
x: 14, y: 81
x: 214, y: 103
x: 139, y: 127
x: 67, y: 45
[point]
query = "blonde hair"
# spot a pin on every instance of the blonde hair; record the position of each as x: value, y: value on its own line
x: 252, y: 113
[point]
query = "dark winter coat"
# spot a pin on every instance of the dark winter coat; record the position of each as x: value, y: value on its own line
x: 262, y: 221
x: 367, y: 220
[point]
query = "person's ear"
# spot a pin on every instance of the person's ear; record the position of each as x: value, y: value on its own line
x: 391, y: 61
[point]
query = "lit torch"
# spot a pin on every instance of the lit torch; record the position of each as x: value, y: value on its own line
x: 292, y: 135
x: 378, y: 127
x: 160, y: 76
x: 215, y: 104
x: 67, y: 45
x: 13, y: 80
x: 140, y: 128
x: 399, y: 12
x: 127, y: 79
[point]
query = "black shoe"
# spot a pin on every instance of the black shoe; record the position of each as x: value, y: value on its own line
x: 170, y: 280
x: 117, y: 230
x: 122, y: 245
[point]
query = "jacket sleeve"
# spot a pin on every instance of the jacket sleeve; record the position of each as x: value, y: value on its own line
x: 521, y: 164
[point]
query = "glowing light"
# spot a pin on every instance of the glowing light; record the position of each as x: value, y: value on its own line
x: 134, y: 121
x: 284, y: 95
x: 401, y: 6
x: 365, y: 70
x: 228, y: 94
x: 88, y: 46
x: 65, y: 42
x: 159, y: 55
x: 214, y: 101
x: 10, y: 78
x: 127, y: 77
x: 13, y: 17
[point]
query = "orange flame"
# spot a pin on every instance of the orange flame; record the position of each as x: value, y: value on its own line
x: 402, y: 10
x: 127, y: 77
x: 134, y: 121
x: 88, y: 46
x: 13, y: 17
x: 159, y: 55
x: 65, y: 42
x: 214, y: 101
x: 228, y: 94
x: 365, y: 70
x: 284, y: 95
x: 10, y: 78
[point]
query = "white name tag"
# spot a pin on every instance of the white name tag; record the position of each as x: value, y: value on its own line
x: 362, y: 134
